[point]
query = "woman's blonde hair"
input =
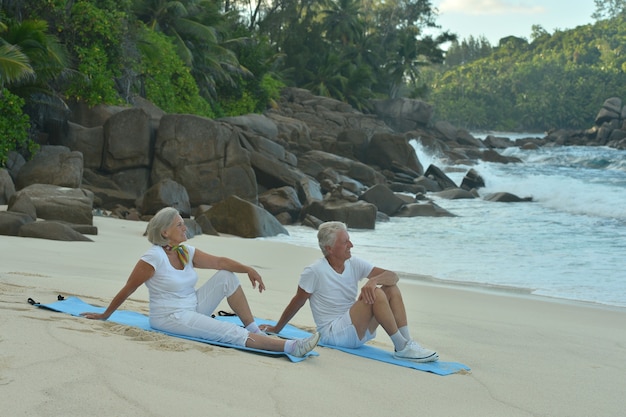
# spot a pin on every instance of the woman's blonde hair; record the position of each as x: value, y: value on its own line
x: 327, y: 234
x: 159, y: 223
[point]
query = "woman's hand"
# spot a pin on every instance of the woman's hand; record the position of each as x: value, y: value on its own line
x: 94, y: 316
x: 255, y: 278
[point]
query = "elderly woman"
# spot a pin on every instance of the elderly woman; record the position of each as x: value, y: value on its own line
x: 167, y: 269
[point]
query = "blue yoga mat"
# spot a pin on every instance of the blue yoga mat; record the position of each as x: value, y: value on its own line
x: 75, y: 306
x: 367, y: 351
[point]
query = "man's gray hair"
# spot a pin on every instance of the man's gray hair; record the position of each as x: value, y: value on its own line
x: 327, y: 234
x: 159, y: 223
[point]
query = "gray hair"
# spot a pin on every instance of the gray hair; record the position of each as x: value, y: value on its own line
x: 327, y: 234
x: 159, y: 223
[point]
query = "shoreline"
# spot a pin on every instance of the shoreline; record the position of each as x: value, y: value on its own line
x: 502, y: 290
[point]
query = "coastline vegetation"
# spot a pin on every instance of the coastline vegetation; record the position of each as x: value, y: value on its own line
x: 224, y: 58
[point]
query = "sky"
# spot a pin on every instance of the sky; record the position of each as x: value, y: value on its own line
x: 496, y: 19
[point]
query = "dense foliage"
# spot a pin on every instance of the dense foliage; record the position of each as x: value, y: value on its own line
x: 557, y: 80
x: 212, y: 57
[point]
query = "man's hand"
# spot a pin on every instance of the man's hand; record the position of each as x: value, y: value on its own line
x: 368, y: 292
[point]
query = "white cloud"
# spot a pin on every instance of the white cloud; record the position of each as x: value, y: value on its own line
x: 489, y: 7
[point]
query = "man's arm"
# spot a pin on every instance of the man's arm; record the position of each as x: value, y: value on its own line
x: 377, y: 277
x: 292, y: 308
x: 380, y: 276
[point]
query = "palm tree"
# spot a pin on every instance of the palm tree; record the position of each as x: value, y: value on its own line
x: 342, y: 21
x: 14, y: 64
x: 194, y: 26
x: 47, y: 58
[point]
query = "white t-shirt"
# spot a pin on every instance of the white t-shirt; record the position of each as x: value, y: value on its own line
x: 170, y: 289
x: 332, y: 294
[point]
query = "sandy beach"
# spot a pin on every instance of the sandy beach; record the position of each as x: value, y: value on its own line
x: 529, y: 356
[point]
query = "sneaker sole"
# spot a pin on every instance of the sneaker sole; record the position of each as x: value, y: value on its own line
x: 432, y: 358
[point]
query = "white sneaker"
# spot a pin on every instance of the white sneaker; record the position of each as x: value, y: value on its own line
x: 416, y: 353
x: 304, y: 346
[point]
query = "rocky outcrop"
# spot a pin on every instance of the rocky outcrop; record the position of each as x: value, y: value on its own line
x: 307, y: 160
x: 609, y: 129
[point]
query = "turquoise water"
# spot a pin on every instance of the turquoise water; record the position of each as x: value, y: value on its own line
x: 569, y: 243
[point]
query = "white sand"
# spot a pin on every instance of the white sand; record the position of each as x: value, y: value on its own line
x: 529, y: 356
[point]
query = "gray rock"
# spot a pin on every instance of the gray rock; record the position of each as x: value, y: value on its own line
x: 392, y: 152
x: 383, y: 198
x: 239, y: 217
x: 21, y: 203
x: 7, y: 188
x: 166, y: 193
x: 455, y: 194
x: 428, y: 209
x: 55, y: 165
x: 281, y: 200
x: 11, y: 222
x: 72, y: 205
x: 126, y: 141
x: 205, y: 157
x: 357, y: 215
x: 504, y: 197
x: 52, y: 230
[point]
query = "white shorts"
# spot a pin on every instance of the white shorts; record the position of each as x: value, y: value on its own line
x: 199, y: 323
x: 342, y: 332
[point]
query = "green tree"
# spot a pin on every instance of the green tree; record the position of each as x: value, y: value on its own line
x: 608, y: 9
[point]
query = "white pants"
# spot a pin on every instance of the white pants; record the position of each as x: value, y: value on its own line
x: 199, y: 323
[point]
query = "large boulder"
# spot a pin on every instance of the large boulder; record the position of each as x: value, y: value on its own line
x: 7, y: 188
x: 239, y: 217
x: 12, y: 221
x: 166, y: 193
x: 126, y: 141
x: 428, y: 209
x: 357, y: 215
x: 107, y: 193
x: 87, y: 140
x: 281, y: 200
x: 389, y: 151
x: 611, y: 109
x: 52, y: 230
x: 309, y: 190
x: 383, y: 198
x: 472, y: 180
x: 273, y: 165
x: 21, y: 203
x: 92, y: 116
x: 260, y: 124
x: 455, y: 194
x: 505, y: 197
x: 55, y: 165
x: 71, y: 205
x: 205, y: 157
x: 291, y: 131
x: 435, y: 173
x: 314, y: 162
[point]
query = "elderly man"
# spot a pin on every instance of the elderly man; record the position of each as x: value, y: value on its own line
x: 342, y: 319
